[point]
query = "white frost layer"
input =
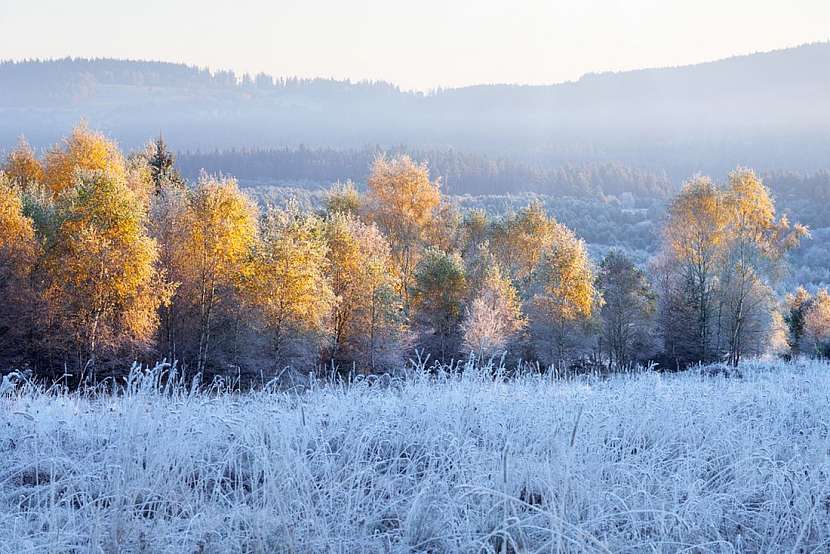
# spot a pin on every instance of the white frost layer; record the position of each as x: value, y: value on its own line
x: 647, y: 463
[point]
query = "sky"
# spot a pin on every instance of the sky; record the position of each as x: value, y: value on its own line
x: 418, y: 44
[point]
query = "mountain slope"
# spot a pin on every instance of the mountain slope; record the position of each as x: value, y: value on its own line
x: 769, y: 110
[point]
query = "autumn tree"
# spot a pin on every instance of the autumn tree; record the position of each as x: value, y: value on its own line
x: 564, y: 296
x: 216, y: 234
x: 402, y: 202
x: 520, y: 240
x: 342, y: 198
x: 627, y: 311
x: 447, y: 232
x: 777, y: 339
x: 726, y: 244
x: 102, y: 287
x: 286, y: 279
x: 22, y: 166
x: 475, y: 228
x: 169, y: 213
x: 438, y: 296
x: 18, y: 252
x: 797, y: 304
x: 695, y: 241
x: 493, y: 318
x: 84, y: 149
x: 755, y: 244
x: 817, y: 325
x: 366, y: 320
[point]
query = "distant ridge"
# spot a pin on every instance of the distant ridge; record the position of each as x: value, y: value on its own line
x: 770, y: 110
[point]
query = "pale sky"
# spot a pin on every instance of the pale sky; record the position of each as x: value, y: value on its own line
x: 417, y: 44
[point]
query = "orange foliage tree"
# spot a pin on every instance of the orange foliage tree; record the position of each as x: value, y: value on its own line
x: 22, y: 166
x: 83, y: 149
x: 402, y: 202
x: 103, y: 290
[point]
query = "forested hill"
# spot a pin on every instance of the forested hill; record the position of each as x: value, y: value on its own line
x: 769, y: 111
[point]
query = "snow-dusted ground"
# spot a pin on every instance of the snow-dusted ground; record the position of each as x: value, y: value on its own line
x: 648, y: 463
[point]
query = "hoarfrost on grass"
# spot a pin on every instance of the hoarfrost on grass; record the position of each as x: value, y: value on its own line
x: 446, y: 463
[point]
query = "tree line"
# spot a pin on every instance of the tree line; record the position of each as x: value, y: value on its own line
x: 64, y: 78
x: 108, y: 258
x: 460, y: 172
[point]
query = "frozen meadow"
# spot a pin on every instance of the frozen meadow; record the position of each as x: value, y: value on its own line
x: 429, y: 463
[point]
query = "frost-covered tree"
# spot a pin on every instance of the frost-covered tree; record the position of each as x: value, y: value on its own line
x: 366, y: 322
x: 285, y: 282
x: 724, y: 245
x: 493, y: 318
x: 168, y: 216
x: 214, y: 236
x: 797, y: 304
x: 520, y: 240
x: 817, y: 325
x: 22, y: 166
x: 83, y: 149
x: 564, y: 297
x: 694, y: 240
x: 162, y: 164
x: 402, y: 202
x: 343, y: 198
x: 627, y: 312
x: 102, y: 287
x: 438, y: 296
x: 19, y: 250
x: 755, y: 243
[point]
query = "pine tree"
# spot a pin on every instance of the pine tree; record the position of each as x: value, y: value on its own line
x: 162, y: 165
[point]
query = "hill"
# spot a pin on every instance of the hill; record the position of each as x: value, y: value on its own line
x: 767, y: 110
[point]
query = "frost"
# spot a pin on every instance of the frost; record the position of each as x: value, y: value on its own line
x: 447, y: 462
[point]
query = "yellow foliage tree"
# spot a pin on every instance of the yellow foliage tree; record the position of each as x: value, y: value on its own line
x: 402, y: 202
x: 726, y: 244
x: 695, y: 239
x: 564, y: 290
x: 519, y: 241
x: 18, y: 252
x: 215, y: 234
x: 22, y: 166
x: 286, y: 280
x: 817, y: 324
x: 755, y: 242
x: 103, y: 290
x: 365, y: 320
x: 343, y: 198
x: 84, y: 149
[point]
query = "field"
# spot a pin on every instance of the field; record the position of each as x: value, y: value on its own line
x: 430, y: 463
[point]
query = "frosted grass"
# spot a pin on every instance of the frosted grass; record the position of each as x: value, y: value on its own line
x: 447, y: 463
